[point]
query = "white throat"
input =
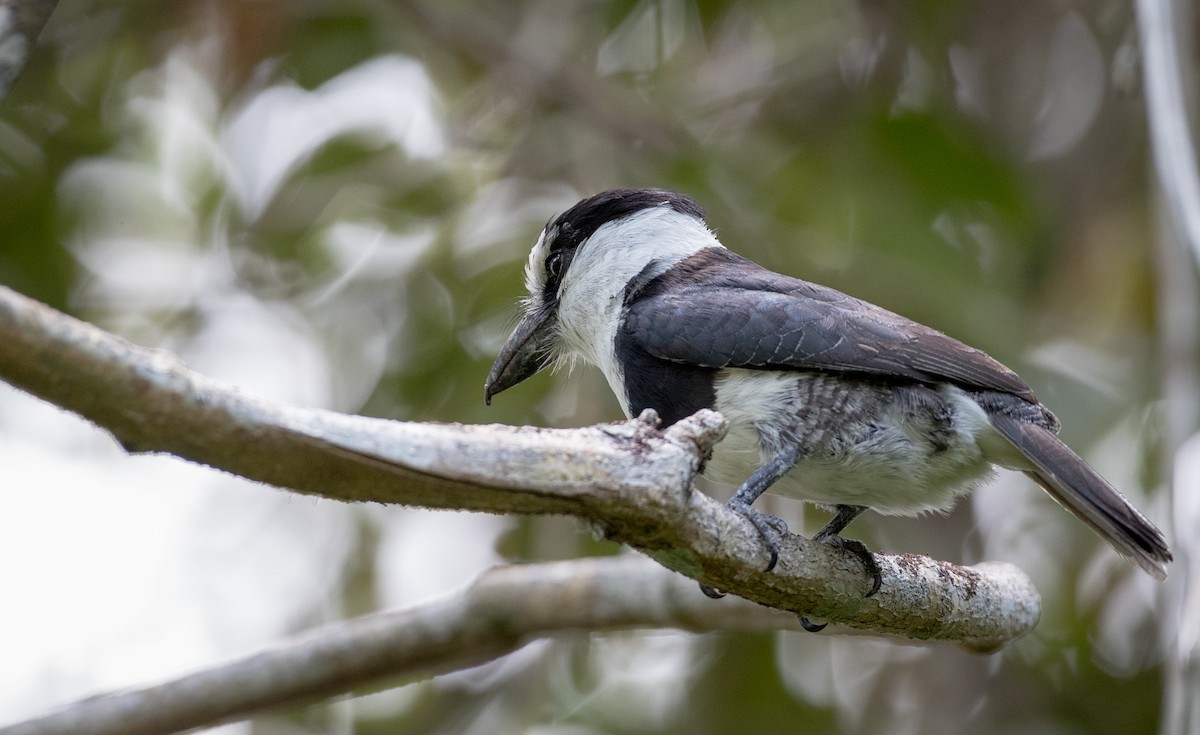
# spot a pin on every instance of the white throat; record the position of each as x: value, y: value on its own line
x: 593, y: 289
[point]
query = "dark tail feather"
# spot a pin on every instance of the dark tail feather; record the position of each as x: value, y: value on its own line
x: 1079, y: 489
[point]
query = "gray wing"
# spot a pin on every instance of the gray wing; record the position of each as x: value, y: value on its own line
x: 725, y: 311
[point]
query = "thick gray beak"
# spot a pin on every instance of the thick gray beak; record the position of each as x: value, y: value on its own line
x: 524, y: 354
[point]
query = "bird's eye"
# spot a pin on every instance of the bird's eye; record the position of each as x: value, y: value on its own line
x: 554, y: 265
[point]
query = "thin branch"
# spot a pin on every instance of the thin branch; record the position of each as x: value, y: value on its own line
x: 1166, y: 109
x: 500, y: 611
x: 1164, y: 62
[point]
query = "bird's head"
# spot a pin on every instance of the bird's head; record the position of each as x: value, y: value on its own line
x: 579, y: 270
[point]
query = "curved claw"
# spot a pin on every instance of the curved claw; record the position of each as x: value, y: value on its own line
x: 769, y: 527
x: 860, y: 550
x: 812, y: 627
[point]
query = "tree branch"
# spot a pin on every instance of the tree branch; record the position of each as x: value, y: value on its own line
x: 500, y: 611
x: 1166, y: 112
x: 1168, y: 73
x: 631, y: 480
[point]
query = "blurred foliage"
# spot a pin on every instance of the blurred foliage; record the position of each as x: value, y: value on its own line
x: 370, y: 176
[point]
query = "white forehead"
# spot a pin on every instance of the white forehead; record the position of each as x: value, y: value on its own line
x: 620, y: 249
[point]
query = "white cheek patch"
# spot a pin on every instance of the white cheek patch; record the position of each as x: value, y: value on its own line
x: 535, y: 267
x: 591, y: 297
x: 591, y: 294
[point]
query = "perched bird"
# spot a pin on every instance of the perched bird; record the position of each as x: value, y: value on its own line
x: 829, y: 399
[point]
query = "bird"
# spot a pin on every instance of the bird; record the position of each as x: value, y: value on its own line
x: 829, y: 399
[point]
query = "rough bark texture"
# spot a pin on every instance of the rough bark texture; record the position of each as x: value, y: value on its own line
x: 629, y: 479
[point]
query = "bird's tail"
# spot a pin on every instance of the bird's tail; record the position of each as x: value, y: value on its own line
x: 1079, y: 489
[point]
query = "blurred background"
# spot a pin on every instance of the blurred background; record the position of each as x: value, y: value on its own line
x: 330, y: 204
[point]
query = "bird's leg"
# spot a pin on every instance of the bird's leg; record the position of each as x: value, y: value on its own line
x: 829, y: 534
x: 769, y: 528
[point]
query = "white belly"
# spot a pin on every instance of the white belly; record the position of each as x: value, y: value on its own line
x: 898, y: 453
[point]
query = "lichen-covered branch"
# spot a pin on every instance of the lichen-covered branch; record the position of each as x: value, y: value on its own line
x: 629, y: 479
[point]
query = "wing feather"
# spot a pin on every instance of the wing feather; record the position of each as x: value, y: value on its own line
x: 717, y: 310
